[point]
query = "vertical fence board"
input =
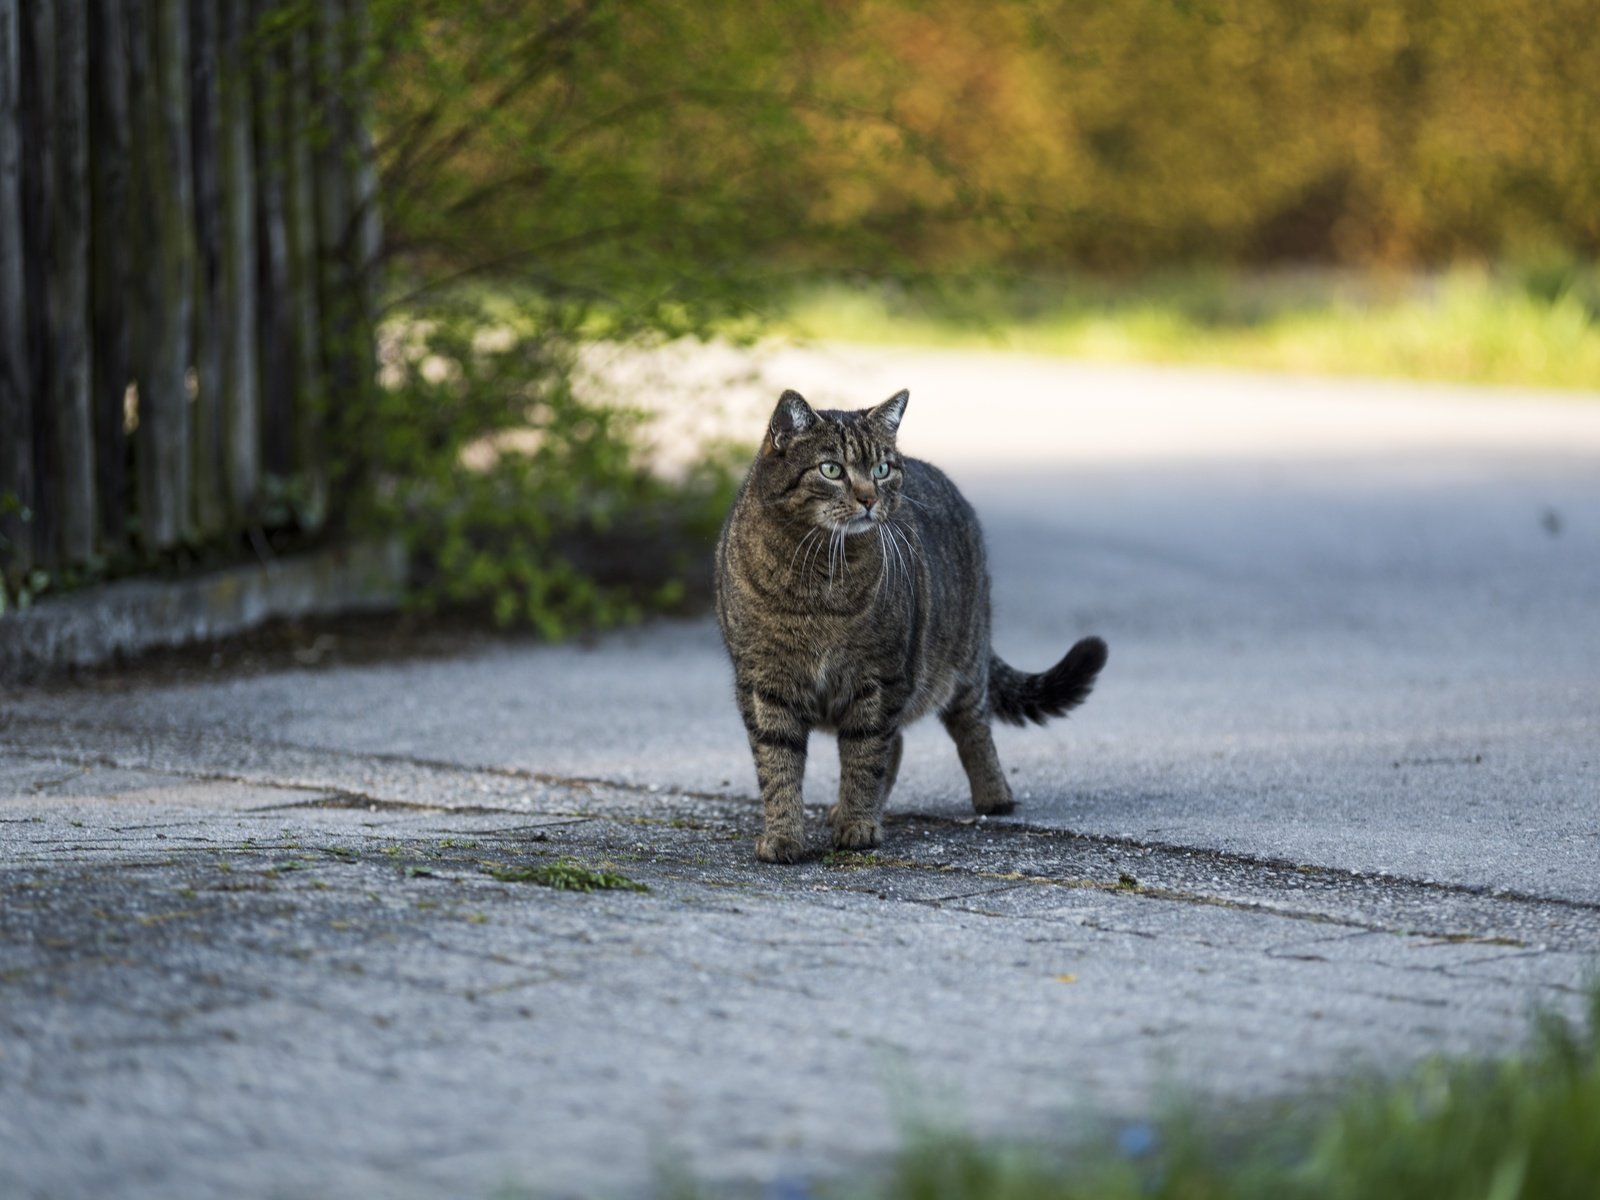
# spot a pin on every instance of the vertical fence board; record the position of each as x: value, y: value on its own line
x: 73, y: 457
x: 205, y: 135
x: 163, y: 434
x: 236, y: 174
x: 270, y: 108
x: 332, y: 186
x: 294, y: 58
x: 38, y: 177
x: 16, y: 411
x: 366, y: 214
x: 108, y: 256
x: 347, y: 319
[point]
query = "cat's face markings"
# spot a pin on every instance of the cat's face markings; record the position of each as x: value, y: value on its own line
x: 832, y: 469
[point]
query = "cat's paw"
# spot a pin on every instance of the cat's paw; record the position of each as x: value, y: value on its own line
x: 780, y: 848
x: 994, y: 802
x: 857, y: 835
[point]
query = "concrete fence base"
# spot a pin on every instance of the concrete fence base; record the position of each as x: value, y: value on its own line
x: 97, y: 625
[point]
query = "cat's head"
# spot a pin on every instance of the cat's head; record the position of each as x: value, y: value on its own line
x: 833, y: 470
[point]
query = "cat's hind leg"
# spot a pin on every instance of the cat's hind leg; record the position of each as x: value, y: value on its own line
x: 896, y: 748
x: 966, y: 719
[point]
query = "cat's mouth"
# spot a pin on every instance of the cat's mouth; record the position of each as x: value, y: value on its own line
x: 858, y: 524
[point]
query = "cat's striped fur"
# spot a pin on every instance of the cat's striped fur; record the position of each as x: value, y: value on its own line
x: 853, y: 595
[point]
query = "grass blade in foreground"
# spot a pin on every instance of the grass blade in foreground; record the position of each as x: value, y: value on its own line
x: 1527, y: 1128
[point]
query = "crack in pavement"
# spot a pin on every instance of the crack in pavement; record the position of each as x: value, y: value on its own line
x: 339, y: 796
x: 1251, y: 873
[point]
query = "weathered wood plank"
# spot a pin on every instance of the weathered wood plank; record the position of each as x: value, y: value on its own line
x: 167, y: 187
x: 72, y: 460
x: 337, y: 333
x: 269, y: 86
x: 347, y: 232
x: 109, y: 282
x: 38, y: 186
x: 16, y: 407
x: 294, y: 59
x: 367, y: 211
x: 205, y: 134
x: 236, y: 176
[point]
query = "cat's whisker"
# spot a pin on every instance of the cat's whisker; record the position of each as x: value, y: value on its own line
x: 886, y: 564
x: 816, y: 549
x: 910, y: 590
x: 902, y: 540
x: 910, y: 554
x: 799, y: 546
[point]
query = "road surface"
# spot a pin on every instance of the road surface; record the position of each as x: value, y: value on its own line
x: 1334, y: 806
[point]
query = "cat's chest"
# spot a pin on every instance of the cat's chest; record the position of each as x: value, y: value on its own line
x: 834, y: 681
x: 835, y: 677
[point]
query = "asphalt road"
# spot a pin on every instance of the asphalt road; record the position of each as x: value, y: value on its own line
x: 1336, y: 803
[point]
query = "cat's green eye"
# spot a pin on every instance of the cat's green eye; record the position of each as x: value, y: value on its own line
x: 881, y: 471
x: 831, y: 470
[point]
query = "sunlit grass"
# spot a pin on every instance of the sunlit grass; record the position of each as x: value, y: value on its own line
x: 1465, y: 326
x: 1526, y: 1128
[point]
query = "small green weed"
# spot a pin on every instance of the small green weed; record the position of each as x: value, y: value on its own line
x: 567, y: 876
x: 852, y: 859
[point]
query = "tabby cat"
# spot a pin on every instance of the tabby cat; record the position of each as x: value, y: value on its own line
x: 853, y: 596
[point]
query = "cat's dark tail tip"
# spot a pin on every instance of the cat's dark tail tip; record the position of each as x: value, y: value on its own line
x: 1018, y: 698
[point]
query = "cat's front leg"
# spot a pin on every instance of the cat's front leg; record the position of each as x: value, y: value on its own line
x: 866, y: 759
x: 778, y: 736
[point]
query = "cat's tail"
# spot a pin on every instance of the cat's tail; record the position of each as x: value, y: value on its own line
x: 1019, y: 698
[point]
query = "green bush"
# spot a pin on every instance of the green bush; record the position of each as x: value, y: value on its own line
x: 517, y: 496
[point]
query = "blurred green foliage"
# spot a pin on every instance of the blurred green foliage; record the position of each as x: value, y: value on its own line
x: 554, y: 175
x: 661, y: 165
x: 518, y: 498
x: 672, y: 157
x: 1537, y: 326
x: 1405, y: 133
x: 655, y: 169
x: 1526, y: 1128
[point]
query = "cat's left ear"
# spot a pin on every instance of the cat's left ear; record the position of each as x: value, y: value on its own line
x: 888, y: 413
x: 792, y: 416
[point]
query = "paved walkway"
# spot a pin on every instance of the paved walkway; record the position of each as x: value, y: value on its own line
x: 1336, y: 805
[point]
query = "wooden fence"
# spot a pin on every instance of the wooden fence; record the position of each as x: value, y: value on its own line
x: 189, y: 244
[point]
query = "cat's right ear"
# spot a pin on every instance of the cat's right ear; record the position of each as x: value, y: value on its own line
x: 792, y: 416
